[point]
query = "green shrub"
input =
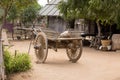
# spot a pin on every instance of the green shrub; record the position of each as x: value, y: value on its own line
x: 19, y: 62
x: 8, y: 62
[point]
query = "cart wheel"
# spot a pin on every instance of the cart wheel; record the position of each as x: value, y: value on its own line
x: 74, y: 50
x: 41, y: 47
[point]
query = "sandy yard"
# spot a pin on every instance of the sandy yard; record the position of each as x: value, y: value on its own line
x: 93, y: 65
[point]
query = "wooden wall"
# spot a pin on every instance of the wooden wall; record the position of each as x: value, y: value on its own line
x: 56, y: 23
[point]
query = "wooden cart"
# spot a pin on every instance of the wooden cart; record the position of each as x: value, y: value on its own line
x: 47, y: 38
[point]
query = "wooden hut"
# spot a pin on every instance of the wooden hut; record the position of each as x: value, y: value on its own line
x: 54, y: 20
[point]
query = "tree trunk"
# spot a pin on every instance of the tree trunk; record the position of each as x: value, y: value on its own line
x: 13, y: 29
x: 98, y: 38
x: 99, y: 28
x: 3, y: 23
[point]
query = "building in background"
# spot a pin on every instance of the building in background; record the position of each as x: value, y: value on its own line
x: 57, y: 23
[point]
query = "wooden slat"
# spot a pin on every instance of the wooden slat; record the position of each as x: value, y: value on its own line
x: 63, y: 39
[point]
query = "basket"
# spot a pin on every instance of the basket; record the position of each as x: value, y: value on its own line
x: 105, y: 42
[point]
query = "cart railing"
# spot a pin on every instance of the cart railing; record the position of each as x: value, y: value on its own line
x: 52, y: 33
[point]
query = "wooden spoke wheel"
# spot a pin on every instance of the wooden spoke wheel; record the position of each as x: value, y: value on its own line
x: 74, y: 50
x: 41, y: 47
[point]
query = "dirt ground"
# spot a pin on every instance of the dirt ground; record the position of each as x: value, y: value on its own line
x: 93, y: 65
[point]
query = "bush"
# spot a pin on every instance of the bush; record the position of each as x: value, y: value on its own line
x: 19, y: 62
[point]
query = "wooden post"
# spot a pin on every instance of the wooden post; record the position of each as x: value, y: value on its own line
x: 15, y: 53
x: 2, y: 67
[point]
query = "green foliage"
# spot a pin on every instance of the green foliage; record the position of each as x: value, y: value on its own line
x: 30, y: 13
x: 12, y: 14
x: 104, y: 10
x: 13, y: 8
x: 73, y: 9
x: 8, y: 62
x: 18, y: 63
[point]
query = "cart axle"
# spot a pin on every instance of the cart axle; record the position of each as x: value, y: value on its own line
x: 37, y: 46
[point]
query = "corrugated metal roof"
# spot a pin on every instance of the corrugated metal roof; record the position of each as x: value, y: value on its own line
x: 54, y: 1
x: 50, y: 9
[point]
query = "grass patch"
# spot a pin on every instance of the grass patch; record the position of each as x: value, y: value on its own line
x: 16, y: 63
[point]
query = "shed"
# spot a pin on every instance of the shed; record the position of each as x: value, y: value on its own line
x: 54, y: 20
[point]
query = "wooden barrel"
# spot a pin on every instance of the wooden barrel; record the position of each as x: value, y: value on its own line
x: 105, y: 42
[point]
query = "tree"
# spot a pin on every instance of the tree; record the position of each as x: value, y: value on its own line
x: 73, y: 9
x: 30, y: 13
x: 6, y: 5
x: 104, y: 10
